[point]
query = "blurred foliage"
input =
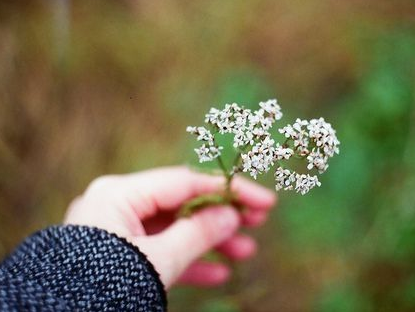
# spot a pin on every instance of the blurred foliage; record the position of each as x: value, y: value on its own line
x: 95, y: 87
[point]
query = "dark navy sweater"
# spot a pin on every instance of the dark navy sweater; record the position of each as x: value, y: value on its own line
x: 78, y: 268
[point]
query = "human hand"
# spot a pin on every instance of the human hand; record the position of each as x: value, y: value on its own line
x: 142, y: 208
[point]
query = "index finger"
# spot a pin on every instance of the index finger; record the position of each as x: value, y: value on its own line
x: 252, y: 194
x: 168, y: 188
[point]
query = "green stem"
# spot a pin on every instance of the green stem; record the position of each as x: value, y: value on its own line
x: 237, y: 159
x: 222, y: 166
x: 228, y: 176
x: 285, y: 144
x: 226, y: 197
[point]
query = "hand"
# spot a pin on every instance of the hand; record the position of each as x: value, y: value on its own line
x: 141, y: 207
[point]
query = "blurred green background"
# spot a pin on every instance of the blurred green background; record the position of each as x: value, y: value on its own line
x: 95, y: 87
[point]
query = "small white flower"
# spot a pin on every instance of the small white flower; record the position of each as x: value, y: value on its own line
x: 208, y: 153
x: 202, y: 133
x: 260, y: 159
x: 241, y: 118
x: 259, y: 125
x: 312, y: 134
x: 272, y: 108
x: 229, y: 120
x: 324, y: 136
x: 191, y: 129
x: 242, y: 138
x: 284, y: 179
x: 205, y: 135
x: 298, y: 133
x: 213, y: 116
x: 281, y: 153
x: 209, y: 150
x: 289, y: 180
x: 288, y: 131
x: 258, y: 120
x: 317, y: 160
x: 305, y: 182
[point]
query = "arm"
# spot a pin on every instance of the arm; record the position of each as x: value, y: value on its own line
x: 73, y: 268
x: 81, y: 266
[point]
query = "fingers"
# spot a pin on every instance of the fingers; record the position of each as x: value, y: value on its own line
x: 253, y: 195
x: 202, y: 273
x: 168, y: 188
x: 206, y: 274
x: 173, y: 250
x: 238, y: 247
x: 254, y: 218
x: 150, y: 191
x: 194, y: 236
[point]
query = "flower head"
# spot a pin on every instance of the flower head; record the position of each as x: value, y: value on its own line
x: 272, y: 108
x: 314, y: 141
x: 290, y: 180
x: 260, y: 158
x: 304, y: 183
x: 202, y: 133
x: 284, y: 179
x: 298, y: 133
x: 207, y: 152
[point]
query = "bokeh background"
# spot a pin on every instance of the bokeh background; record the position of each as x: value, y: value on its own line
x: 95, y: 87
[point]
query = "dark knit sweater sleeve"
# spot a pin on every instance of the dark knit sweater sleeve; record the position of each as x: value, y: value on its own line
x: 77, y: 268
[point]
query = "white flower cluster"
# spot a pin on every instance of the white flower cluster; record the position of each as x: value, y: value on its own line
x: 208, y: 151
x: 246, y: 125
x: 314, y: 140
x: 260, y: 158
x: 288, y: 180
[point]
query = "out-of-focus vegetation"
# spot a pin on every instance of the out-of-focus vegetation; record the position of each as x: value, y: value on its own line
x: 95, y: 87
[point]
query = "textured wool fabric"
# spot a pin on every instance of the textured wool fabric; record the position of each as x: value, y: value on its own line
x: 78, y: 268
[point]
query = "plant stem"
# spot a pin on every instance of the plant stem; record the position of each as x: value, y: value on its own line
x: 228, y: 176
x: 285, y: 144
x: 222, y: 166
x: 227, y: 197
x: 237, y: 159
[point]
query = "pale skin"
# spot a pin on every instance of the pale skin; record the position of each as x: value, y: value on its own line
x: 141, y: 207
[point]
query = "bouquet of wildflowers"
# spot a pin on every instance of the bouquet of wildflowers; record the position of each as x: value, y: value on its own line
x: 313, y: 141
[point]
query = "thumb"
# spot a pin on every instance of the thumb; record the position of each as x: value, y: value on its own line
x: 173, y: 250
